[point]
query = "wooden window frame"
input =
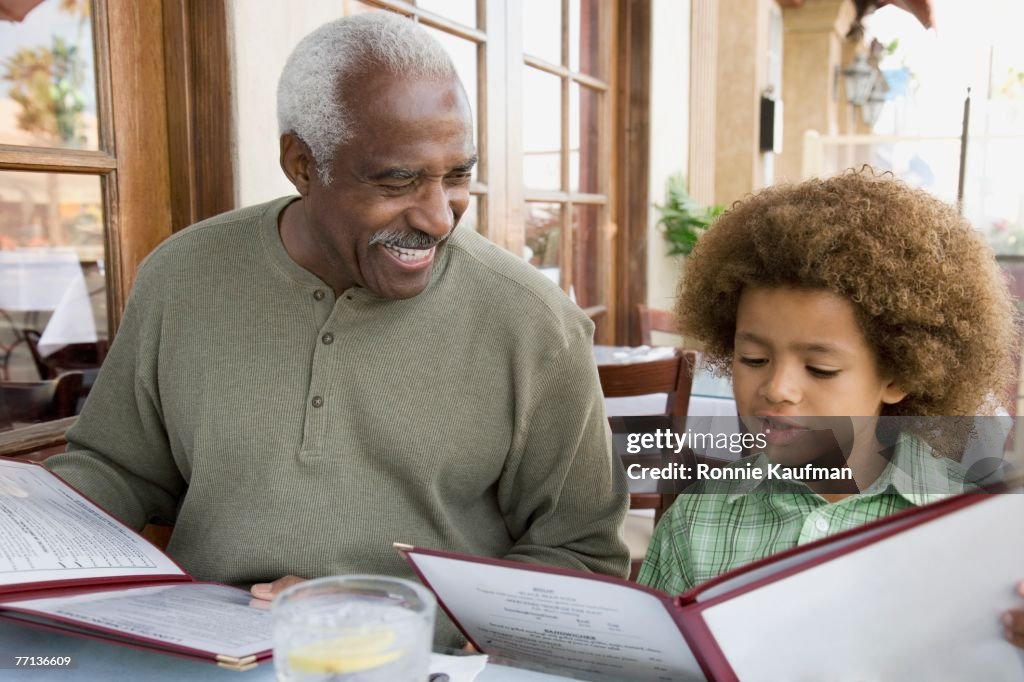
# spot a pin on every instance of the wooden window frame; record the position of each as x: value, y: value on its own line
x: 633, y: 161
x: 164, y: 158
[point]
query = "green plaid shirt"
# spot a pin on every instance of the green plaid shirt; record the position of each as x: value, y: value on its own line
x: 728, y: 524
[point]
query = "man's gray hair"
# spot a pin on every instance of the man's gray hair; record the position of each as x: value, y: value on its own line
x: 309, y: 101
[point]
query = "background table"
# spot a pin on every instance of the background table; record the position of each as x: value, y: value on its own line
x: 45, y: 280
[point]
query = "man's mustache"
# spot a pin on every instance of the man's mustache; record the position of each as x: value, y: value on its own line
x: 406, y: 240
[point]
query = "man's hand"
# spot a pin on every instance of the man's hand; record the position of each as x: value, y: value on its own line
x: 267, y: 591
x: 1013, y: 622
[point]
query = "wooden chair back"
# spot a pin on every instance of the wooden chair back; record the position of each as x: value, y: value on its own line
x: 653, y: 320
x: 673, y: 376
x: 35, y: 401
x: 74, y: 356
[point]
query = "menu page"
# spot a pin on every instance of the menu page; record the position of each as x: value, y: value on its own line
x: 564, y: 624
x: 216, y: 619
x: 924, y: 604
x: 48, y: 532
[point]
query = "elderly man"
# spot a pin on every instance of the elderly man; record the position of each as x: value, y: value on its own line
x: 299, y: 384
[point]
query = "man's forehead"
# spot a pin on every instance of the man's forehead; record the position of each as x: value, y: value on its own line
x: 381, y: 93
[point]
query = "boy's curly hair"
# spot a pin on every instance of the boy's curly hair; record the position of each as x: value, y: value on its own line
x: 928, y: 293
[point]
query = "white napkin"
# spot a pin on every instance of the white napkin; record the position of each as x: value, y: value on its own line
x: 458, y: 668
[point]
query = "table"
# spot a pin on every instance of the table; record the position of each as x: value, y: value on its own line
x: 49, y: 279
x: 112, y: 663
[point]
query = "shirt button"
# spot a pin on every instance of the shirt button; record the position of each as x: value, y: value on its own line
x: 821, y: 525
x: 319, y: 294
x: 327, y: 338
x: 317, y: 401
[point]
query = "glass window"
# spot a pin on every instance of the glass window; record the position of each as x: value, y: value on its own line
x: 47, y: 78
x: 471, y: 218
x: 542, y: 130
x: 543, y: 237
x: 462, y: 11
x: 52, y: 275
x: 542, y: 29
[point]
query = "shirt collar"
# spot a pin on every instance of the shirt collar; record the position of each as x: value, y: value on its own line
x: 913, y: 472
x: 917, y: 474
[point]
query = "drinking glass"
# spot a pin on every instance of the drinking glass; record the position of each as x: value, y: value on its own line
x: 356, y: 628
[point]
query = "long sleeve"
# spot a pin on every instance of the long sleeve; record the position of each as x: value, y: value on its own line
x: 118, y: 452
x: 557, y: 493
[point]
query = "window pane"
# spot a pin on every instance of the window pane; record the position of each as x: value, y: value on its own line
x: 464, y: 56
x: 471, y: 218
x: 462, y: 11
x: 542, y: 130
x: 52, y: 277
x: 542, y: 29
x: 350, y: 7
x: 584, y: 138
x: 585, y: 18
x: 586, y: 231
x: 47, y: 78
x: 543, y: 238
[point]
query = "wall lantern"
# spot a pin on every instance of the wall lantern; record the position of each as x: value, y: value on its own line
x: 860, y: 78
x: 872, y: 108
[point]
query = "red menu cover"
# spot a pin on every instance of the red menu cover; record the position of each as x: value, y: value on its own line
x: 66, y: 564
x: 917, y: 595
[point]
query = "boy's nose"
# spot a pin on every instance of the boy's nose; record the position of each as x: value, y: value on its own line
x: 781, y: 387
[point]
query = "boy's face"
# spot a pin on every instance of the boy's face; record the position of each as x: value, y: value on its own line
x: 800, y: 354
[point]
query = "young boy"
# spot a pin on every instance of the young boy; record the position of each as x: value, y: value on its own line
x: 857, y: 298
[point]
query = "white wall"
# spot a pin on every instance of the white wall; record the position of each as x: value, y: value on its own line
x: 670, y: 101
x: 263, y: 34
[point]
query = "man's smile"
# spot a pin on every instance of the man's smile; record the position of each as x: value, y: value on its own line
x: 410, y: 258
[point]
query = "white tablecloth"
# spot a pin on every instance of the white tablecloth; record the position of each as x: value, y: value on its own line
x: 49, y: 279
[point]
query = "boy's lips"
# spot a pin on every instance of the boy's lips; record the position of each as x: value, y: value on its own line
x: 779, y: 430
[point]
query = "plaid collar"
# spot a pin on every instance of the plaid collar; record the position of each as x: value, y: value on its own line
x: 914, y: 472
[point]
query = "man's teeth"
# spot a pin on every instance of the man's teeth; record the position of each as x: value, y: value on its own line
x: 410, y: 255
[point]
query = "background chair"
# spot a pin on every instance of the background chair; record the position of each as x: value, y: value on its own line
x: 34, y: 401
x: 653, y: 320
x: 74, y: 357
x: 674, y: 377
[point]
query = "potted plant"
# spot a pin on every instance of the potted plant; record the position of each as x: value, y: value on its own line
x: 684, y: 220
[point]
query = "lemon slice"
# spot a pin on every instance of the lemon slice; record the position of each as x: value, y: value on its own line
x: 363, y: 649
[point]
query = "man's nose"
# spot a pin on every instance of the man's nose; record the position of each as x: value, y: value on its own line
x: 432, y: 212
x: 781, y: 385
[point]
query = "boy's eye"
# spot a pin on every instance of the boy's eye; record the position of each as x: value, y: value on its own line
x: 823, y: 373
x: 753, y: 362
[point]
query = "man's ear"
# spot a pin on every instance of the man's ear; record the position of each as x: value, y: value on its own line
x: 892, y: 393
x: 297, y: 162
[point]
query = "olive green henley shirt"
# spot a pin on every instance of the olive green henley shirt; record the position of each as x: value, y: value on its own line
x: 286, y: 430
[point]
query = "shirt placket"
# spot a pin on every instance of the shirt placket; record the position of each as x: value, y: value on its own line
x: 328, y: 311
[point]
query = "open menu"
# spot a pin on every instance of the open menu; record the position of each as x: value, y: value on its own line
x: 66, y: 564
x: 917, y: 595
